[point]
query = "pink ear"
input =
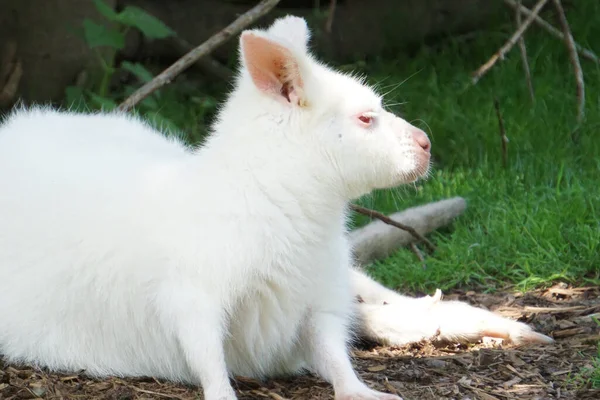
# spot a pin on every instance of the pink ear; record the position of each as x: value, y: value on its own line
x: 273, y: 68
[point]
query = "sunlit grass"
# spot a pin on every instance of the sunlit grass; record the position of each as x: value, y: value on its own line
x: 529, y: 224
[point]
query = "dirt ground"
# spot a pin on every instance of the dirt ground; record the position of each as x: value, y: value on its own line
x: 488, y: 370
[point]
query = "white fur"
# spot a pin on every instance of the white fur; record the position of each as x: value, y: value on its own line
x: 125, y: 253
x: 389, y: 318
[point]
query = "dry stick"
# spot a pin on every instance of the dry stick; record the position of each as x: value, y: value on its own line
x: 419, y: 255
x: 586, y: 53
x: 570, y: 43
x: 206, y: 63
x: 503, y: 137
x: 524, y: 57
x: 205, y: 48
x: 385, y: 219
x: 329, y: 23
x: 499, y: 55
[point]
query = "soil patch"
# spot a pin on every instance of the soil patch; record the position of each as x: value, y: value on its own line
x: 488, y: 370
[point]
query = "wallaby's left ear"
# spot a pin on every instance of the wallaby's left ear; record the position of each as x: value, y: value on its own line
x: 273, y: 68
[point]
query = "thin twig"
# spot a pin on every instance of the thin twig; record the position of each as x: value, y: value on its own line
x: 418, y: 253
x: 165, y: 395
x: 503, y: 137
x: 499, y: 55
x: 329, y: 22
x: 206, y: 63
x: 586, y: 53
x: 275, y: 396
x: 524, y: 58
x: 385, y: 219
x: 570, y: 43
x: 190, y: 58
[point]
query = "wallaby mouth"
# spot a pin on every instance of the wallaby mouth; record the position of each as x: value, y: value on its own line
x: 423, y: 163
x: 421, y: 169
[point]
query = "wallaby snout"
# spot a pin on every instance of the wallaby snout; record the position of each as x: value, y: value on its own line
x: 421, y: 139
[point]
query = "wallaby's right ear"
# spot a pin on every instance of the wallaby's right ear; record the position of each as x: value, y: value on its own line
x: 293, y: 29
x: 273, y: 68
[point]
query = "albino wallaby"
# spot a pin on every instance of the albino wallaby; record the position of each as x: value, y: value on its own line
x: 125, y: 253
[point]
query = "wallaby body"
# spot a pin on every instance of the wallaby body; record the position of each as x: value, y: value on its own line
x: 120, y: 264
x: 125, y: 253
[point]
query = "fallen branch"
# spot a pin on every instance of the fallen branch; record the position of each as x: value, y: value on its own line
x: 552, y: 310
x: 378, y: 239
x: 574, y: 58
x: 503, y: 137
x: 524, y: 58
x: 586, y: 53
x: 205, y: 48
x: 499, y: 55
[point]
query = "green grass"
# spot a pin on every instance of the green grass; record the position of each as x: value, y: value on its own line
x: 528, y: 224
x: 593, y: 374
x: 589, y: 376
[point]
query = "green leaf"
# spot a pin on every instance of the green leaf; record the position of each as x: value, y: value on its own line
x: 74, y: 96
x: 149, y: 103
x: 204, y: 102
x: 102, y: 102
x: 138, y: 70
x: 150, y: 26
x: 97, y: 35
x: 105, y: 10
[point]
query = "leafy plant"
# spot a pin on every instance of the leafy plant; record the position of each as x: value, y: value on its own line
x: 111, y: 36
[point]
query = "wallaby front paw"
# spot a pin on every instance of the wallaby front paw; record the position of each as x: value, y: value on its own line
x: 367, y: 394
x: 224, y: 394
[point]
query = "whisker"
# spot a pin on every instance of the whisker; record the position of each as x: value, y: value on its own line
x: 430, y: 131
x: 378, y: 85
x: 401, y: 103
x: 402, y: 82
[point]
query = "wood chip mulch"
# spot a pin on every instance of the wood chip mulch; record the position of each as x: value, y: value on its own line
x: 488, y: 370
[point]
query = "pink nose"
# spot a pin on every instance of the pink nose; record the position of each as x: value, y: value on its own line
x: 421, y: 139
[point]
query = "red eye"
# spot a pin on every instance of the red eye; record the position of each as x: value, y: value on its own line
x: 365, y: 119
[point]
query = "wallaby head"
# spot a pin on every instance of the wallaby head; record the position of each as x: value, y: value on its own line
x: 340, y: 118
